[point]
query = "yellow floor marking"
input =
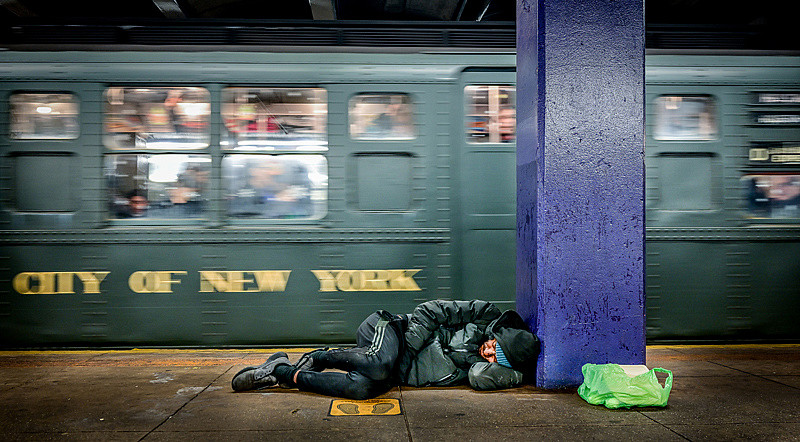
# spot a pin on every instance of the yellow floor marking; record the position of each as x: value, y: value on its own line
x: 369, y: 407
x: 718, y: 346
x: 306, y: 350
x: 155, y: 351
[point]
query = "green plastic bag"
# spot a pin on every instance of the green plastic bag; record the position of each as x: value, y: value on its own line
x: 609, y: 385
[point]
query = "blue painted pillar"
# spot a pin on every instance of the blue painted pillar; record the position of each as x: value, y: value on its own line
x: 580, y: 182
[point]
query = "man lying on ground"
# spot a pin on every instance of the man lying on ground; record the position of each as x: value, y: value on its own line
x: 441, y: 343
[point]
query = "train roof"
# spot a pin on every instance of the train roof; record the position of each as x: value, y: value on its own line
x: 307, y: 67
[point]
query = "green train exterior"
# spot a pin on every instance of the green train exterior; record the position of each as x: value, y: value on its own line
x: 722, y: 220
x: 397, y: 220
x: 423, y: 217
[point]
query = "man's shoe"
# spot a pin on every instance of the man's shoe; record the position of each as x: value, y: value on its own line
x: 306, y: 362
x: 254, y: 378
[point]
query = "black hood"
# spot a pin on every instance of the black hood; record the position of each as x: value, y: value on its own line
x: 520, y: 346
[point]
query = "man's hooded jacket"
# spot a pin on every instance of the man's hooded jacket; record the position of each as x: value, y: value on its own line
x: 442, y: 339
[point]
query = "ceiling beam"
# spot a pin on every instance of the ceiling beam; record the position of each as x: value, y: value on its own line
x: 322, y: 9
x: 17, y: 8
x: 169, y: 8
x: 485, y: 8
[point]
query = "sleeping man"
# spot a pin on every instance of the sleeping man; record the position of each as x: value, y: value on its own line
x: 441, y: 343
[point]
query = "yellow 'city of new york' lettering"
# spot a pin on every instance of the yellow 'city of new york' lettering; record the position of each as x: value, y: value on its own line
x: 251, y: 281
x: 57, y: 283
x: 237, y: 281
x: 366, y: 280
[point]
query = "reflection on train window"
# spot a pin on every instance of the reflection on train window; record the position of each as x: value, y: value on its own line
x: 685, y: 117
x: 491, y: 114
x: 381, y: 117
x: 773, y: 195
x: 276, y: 186
x: 44, y: 116
x: 156, y: 118
x: 165, y: 186
x: 268, y: 119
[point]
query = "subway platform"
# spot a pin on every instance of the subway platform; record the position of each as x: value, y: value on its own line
x: 745, y: 392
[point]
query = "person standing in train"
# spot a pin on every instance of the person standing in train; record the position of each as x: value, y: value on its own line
x: 441, y: 343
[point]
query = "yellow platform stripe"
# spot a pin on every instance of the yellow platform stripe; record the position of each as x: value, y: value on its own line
x: 720, y: 346
x: 177, y: 351
x: 156, y: 351
x: 369, y: 407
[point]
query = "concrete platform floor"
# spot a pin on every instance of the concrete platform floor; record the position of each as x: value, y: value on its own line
x: 749, y: 392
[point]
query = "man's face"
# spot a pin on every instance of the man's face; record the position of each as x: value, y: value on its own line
x: 138, y: 204
x: 487, y: 350
x: 783, y: 188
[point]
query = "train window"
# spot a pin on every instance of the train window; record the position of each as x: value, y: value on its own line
x: 773, y: 195
x: 288, y: 186
x: 491, y: 114
x: 267, y: 119
x: 686, y: 118
x: 44, y: 116
x: 381, y: 117
x: 156, y: 118
x: 160, y: 186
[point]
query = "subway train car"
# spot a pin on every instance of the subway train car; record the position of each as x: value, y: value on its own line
x: 722, y: 197
x: 156, y: 198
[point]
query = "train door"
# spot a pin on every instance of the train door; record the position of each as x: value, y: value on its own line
x: 390, y: 176
x: 689, y: 141
x: 487, y: 160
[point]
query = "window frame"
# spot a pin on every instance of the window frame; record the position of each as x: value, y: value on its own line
x: 233, y: 145
x: 230, y: 150
x: 234, y: 220
x: 493, y: 119
x: 658, y: 117
x: 751, y: 215
x: 147, y: 130
x: 412, y: 112
x: 209, y: 214
x: 77, y: 115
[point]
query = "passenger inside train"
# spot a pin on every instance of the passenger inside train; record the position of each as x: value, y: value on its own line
x: 442, y: 343
x: 134, y: 205
x: 157, y: 186
x: 774, y: 195
x: 507, y: 124
x: 273, y: 187
x: 187, y: 194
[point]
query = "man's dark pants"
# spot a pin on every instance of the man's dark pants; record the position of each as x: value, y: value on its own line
x: 369, y: 366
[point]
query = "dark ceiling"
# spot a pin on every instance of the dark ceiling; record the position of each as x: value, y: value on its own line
x: 468, y: 10
x: 766, y: 24
x: 731, y: 12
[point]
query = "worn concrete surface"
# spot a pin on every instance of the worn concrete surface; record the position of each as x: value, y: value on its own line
x: 719, y: 393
